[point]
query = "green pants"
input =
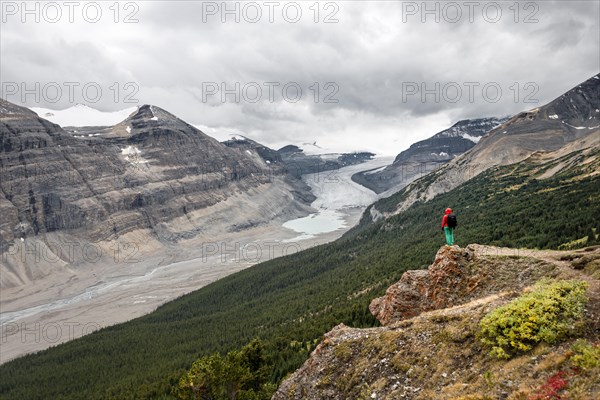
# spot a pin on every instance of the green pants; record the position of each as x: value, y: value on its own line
x: 449, y: 235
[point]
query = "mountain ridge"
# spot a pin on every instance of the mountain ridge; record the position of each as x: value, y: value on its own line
x: 426, y: 155
x: 521, y: 136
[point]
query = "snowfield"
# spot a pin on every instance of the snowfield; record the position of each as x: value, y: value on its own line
x: 133, y: 155
x: 82, y: 115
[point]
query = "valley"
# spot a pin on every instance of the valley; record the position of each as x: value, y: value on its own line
x: 65, y: 305
x: 348, y: 243
x: 412, y: 213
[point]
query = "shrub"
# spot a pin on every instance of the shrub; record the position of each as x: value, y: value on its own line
x: 241, y: 375
x: 547, y: 314
x: 586, y: 355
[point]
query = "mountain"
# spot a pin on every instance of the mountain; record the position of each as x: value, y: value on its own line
x: 426, y: 155
x: 559, y: 124
x: 144, y: 180
x: 296, y: 161
x: 451, y: 142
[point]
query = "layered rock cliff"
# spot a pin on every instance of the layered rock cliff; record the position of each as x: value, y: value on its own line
x: 98, y: 184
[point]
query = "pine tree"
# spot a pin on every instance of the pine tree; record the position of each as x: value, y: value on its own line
x: 591, y: 236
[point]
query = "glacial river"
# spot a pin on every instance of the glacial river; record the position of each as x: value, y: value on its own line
x: 336, y: 194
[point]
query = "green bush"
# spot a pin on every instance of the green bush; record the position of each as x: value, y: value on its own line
x: 586, y: 355
x: 547, y: 314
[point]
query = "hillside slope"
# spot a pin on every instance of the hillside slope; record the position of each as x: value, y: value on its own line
x: 439, y: 355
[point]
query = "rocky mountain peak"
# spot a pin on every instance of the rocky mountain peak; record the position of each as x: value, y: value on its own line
x: 580, y: 104
x: 149, y: 112
x: 151, y: 125
x: 471, y: 129
x: 149, y: 116
x: 449, y: 143
x: 10, y: 110
x: 576, y: 113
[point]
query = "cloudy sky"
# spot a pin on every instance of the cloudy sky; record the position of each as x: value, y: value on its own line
x: 350, y: 75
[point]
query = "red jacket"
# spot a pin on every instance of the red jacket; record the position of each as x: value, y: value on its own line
x: 445, y: 218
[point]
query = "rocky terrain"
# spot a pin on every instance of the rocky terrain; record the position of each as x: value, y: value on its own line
x: 569, y: 123
x: 453, y: 278
x: 426, y: 155
x: 429, y: 347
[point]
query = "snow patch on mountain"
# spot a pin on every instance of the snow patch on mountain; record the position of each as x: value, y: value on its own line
x: 581, y: 127
x: 154, y: 117
x: 376, y: 170
x: 473, y: 139
x: 133, y: 155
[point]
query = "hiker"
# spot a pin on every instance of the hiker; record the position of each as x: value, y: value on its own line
x: 448, y: 225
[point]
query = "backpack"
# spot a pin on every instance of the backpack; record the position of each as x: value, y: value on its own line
x: 451, y: 221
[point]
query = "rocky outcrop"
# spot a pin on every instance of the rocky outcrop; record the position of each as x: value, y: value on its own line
x: 442, y: 285
x: 456, y: 276
x: 438, y: 354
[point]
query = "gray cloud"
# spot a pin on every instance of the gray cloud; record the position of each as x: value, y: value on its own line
x: 372, y: 55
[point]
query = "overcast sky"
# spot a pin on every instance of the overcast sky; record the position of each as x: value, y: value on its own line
x: 361, y: 66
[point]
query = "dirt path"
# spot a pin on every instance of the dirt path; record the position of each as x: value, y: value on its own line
x: 564, y: 260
